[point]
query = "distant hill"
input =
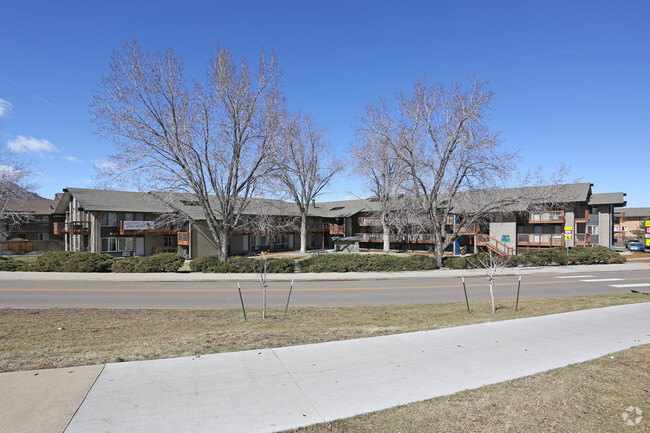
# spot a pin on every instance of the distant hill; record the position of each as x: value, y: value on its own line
x: 17, y: 191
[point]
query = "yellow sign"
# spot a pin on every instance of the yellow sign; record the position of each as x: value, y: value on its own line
x: 567, y: 237
x: 647, y: 223
x: 647, y: 242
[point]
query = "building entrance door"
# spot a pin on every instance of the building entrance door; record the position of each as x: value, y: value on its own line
x: 139, y: 246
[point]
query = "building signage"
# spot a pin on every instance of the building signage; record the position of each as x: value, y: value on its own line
x: 505, y: 238
x: 138, y: 225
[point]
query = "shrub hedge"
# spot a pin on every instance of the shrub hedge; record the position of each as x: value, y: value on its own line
x: 72, y: 261
x: 239, y: 265
x: 10, y: 264
x: 367, y: 263
x: 551, y: 256
x: 166, y: 262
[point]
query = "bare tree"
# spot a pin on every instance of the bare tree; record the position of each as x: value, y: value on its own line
x: 449, y: 150
x: 305, y: 165
x: 492, y: 263
x: 15, y: 187
x: 212, y: 140
x: 375, y: 161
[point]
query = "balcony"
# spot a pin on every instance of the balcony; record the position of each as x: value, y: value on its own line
x: 424, y: 238
x: 471, y: 229
x: 139, y: 227
x: 546, y: 216
x: 582, y: 239
x: 540, y: 240
x: 72, y: 228
x: 30, y: 228
x: 369, y: 221
x: 582, y: 216
x: 337, y: 230
x: 184, y: 239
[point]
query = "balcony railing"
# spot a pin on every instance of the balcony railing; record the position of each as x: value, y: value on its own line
x: 540, y: 240
x: 30, y: 227
x: 582, y: 239
x: 137, y: 227
x: 337, y: 230
x: 582, y: 216
x: 546, y: 216
x: 423, y: 238
x: 494, y: 245
x: 369, y: 221
x: 72, y: 228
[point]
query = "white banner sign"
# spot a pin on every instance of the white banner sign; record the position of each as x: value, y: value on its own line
x: 138, y: 225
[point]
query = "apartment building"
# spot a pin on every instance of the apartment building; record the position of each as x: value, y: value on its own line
x: 122, y: 223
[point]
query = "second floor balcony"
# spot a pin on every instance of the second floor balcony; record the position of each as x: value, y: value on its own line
x: 540, y: 240
x: 30, y: 227
x: 72, y: 228
x: 546, y: 216
x: 153, y: 227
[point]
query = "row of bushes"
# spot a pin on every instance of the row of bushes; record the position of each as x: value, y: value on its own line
x: 71, y: 261
x: 551, y: 256
x: 367, y: 263
x: 241, y: 265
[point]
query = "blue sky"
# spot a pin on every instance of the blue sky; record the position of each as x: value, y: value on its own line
x: 572, y: 79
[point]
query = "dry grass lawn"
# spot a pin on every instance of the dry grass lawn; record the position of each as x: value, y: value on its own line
x: 33, y: 339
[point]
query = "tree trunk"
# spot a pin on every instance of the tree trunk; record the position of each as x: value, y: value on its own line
x: 303, y: 233
x: 492, y: 294
x: 386, y: 230
x: 223, y: 245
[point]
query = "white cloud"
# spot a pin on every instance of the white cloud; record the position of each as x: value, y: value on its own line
x: 104, y: 165
x: 9, y: 171
x: 30, y: 144
x: 72, y: 158
x: 5, y: 107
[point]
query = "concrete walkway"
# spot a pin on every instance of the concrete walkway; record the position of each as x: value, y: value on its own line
x: 278, y: 389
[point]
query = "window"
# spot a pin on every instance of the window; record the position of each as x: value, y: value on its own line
x: 128, y: 216
x: 109, y: 219
x: 43, y: 236
x: 109, y: 244
x: 592, y: 230
x: 624, y: 228
x: 125, y: 244
x: 168, y: 241
x: 117, y: 244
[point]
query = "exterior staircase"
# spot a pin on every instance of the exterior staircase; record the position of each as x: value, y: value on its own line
x: 483, y: 240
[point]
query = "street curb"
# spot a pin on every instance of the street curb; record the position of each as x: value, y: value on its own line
x: 329, y: 276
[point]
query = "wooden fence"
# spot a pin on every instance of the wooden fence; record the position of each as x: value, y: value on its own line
x: 20, y: 247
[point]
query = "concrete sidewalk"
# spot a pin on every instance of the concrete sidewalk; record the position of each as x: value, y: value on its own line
x: 278, y: 389
x: 325, y: 276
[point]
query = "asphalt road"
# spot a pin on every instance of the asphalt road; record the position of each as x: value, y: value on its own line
x: 102, y: 294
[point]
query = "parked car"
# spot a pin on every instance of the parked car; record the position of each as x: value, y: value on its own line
x: 635, y: 246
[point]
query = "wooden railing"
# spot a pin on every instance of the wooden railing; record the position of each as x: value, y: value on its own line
x: 494, y: 244
x: 422, y: 238
x: 582, y: 216
x: 72, y: 228
x: 369, y: 221
x: 540, y: 240
x: 546, y: 216
x: 337, y: 229
x: 582, y: 239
